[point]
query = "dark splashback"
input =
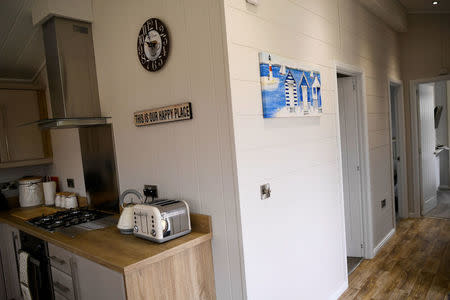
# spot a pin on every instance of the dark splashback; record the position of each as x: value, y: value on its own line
x: 99, y: 166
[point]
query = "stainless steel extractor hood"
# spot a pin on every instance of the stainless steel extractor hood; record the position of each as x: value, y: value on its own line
x: 72, y: 77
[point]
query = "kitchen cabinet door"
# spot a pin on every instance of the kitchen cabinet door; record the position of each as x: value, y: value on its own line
x: 96, y: 282
x: 2, y: 280
x: 9, y: 246
x: 19, y: 107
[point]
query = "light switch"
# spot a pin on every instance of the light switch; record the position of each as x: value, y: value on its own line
x: 265, y: 191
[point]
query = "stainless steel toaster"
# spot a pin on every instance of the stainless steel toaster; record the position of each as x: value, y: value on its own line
x: 161, y: 220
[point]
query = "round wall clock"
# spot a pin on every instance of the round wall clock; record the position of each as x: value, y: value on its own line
x: 153, y: 45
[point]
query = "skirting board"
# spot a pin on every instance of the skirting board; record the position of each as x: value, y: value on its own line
x: 429, y: 204
x: 414, y: 215
x: 340, y: 291
x: 383, y: 241
x: 444, y: 187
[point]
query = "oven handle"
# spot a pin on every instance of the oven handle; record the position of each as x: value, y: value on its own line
x: 37, y: 265
x: 14, y: 238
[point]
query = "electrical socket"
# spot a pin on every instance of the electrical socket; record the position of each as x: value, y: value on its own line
x: 151, y: 191
x: 70, y: 183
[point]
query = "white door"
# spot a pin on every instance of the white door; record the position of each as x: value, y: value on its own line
x: 350, y: 165
x: 427, y: 147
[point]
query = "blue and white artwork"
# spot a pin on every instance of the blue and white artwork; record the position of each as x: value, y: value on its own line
x: 288, y: 90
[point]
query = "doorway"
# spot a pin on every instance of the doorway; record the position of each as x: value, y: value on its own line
x: 432, y: 99
x: 398, y: 156
x: 351, y: 168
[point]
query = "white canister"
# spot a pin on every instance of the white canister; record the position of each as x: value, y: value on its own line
x: 58, y: 199
x: 63, y: 200
x: 71, y: 201
x: 30, y: 191
x: 49, y: 192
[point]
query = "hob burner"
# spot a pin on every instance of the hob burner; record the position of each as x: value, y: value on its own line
x: 67, y: 218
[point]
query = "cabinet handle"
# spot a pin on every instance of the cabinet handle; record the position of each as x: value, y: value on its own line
x: 62, y: 288
x: 58, y: 260
x: 5, y: 129
x: 74, y: 273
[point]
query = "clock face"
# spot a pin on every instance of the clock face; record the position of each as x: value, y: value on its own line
x: 153, y: 45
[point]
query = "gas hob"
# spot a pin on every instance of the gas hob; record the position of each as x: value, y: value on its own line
x: 74, y: 221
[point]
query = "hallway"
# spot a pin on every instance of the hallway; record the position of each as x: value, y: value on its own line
x: 442, y: 210
x: 414, y: 264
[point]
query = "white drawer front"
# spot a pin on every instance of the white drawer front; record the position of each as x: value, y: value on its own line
x: 58, y: 296
x: 60, y: 258
x: 62, y: 284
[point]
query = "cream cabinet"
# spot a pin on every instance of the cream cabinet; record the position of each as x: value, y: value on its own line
x: 96, y: 282
x: 9, y: 247
x: 77, y: 278
x: 23, y: 145
x: 2, y: 280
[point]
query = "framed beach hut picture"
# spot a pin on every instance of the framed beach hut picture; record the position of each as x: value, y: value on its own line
x: 287, y: 89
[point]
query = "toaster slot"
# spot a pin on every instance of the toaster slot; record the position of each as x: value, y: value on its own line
x: 143, y: 221
x: 146, y: 223
x: 139, y: 219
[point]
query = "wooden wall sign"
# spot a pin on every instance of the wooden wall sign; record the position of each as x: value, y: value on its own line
x: 177, y: 112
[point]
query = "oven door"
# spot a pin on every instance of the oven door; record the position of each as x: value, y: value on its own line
x: 39, y: 273
x: 39, y: 280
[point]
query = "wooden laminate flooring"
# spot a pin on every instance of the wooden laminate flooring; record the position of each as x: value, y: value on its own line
x: 442, y: 210
x: 414, y: 264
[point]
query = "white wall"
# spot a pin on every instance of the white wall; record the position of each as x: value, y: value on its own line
x: 12, y: 174
x: 391, y: 12
x: 293, y: 243
x: 190, y: 160
x: 67, y: 161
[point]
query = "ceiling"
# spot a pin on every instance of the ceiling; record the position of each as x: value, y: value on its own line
x: 21, y: 43
x: 426, y: 6
x: 22, y: 48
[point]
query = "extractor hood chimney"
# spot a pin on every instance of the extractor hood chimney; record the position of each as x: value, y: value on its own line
x: 72, y: 78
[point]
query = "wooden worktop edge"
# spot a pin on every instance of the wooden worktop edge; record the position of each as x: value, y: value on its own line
x: 203, y: 227
x: 57, y: 242
x: 168, y: 253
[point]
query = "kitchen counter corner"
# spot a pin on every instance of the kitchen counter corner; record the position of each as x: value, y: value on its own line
x: 122, y: 253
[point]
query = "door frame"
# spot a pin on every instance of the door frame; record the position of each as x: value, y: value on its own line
x: 401, y: 142
x: 415, y: 139
x: 363, y: 140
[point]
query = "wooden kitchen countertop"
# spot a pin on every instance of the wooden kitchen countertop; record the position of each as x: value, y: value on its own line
x: 122, y: 253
